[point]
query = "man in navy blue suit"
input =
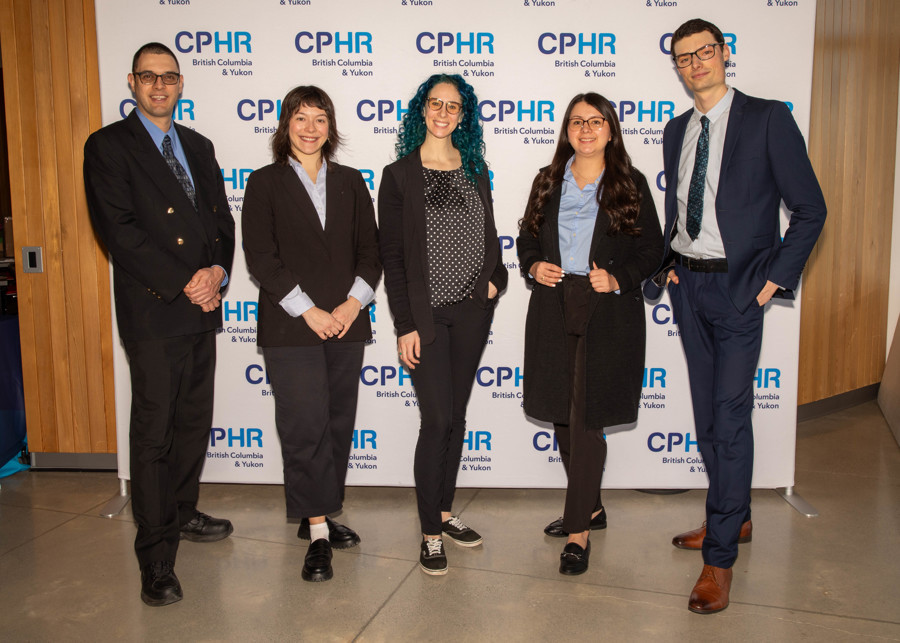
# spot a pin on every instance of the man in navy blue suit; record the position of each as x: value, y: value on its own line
x: 729, y: 163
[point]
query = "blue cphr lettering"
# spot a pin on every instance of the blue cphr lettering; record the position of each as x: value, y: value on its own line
x: 256, y: 374
x: 364, y: 437
x: 768, y: 377
x: 242, y: 437
x: 185, y: 41
x: 237, y: 178
x: 654, y: 376
x: 657, y: 442
x: 371, y: 375
x: 474, y: 440
x: 543, y: 441
x: 369, y: 178
x: 488, y: 376
x: 242, y: 310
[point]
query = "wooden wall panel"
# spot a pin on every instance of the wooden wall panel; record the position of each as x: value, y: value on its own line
x: 51, y: 83
x: 852, y: 144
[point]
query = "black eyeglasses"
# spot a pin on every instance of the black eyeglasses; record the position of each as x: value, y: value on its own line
x: 435, y: 104
x: 149, y: 78
x: 595, y: 123
x: 704, y: 53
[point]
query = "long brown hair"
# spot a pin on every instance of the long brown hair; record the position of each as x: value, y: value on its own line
x: 619, y: 196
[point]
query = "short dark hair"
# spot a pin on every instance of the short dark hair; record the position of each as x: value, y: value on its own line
x: 311, y: 96
x: 152, y: 48
x: 695, y: 25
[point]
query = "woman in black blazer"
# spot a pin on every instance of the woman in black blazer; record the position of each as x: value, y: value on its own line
x: 442, y: 274
x: 311, y: 242
x: 589, y: 236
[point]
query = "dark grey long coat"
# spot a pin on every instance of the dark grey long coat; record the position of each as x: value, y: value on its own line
x: 616, y: 332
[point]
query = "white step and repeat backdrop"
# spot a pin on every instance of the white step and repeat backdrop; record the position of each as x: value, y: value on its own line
x: 525, y: 59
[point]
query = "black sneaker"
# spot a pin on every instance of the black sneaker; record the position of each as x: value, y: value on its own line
x: 460, y: 533
x: 432, y: 558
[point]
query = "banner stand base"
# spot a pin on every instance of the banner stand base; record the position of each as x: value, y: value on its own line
x: 797, y: 502
x: 117, y: 503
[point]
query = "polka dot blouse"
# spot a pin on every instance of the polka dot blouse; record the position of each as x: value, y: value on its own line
x: 454, y: 217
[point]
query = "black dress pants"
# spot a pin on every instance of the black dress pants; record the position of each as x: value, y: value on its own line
x: 443, y: 381
x: 316, y: 391
x: 172, y: 382
x: 583, y: 452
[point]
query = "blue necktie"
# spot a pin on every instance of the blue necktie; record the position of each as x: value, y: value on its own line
x: 178, y: 170
x: 698, y: 181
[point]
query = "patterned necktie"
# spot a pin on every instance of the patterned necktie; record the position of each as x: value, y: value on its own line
x: 180, y: 174
x: 698, y: 181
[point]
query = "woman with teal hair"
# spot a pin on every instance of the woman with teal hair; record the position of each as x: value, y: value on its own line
x: 442, y: 274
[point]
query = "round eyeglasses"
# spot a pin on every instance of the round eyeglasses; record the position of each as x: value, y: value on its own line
x: 435, y: 105
x: 595, y: 123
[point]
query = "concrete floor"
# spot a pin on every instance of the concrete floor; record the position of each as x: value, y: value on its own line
x: 68, y: 574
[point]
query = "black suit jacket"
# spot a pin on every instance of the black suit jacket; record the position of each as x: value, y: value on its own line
x: 156, y: 238
x: 615, y: 337
x: 285, y: 246
x: 401, y: 218
x: 764, y: 161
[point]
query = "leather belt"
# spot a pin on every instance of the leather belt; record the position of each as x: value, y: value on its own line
x: 702, y: 265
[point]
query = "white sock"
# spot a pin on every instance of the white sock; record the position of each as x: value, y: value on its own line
x: 318, y: 531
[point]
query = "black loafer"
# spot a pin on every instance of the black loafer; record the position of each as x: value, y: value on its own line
x: 555, y: 528
x: 159, y: 585
x: 317, y: 564
x: 341, y: 537
x: 574, y: 559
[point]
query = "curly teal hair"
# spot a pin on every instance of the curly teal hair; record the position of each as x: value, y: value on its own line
x: 468, y: 136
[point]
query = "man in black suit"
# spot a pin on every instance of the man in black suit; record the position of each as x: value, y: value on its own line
x: 729, y: 163
x: 157, y: 200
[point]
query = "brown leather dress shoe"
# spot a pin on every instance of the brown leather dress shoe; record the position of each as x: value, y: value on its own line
x: 694, y: 539
x: 710, y: 594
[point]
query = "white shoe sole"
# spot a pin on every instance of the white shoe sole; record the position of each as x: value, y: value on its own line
x: 463, y: 543
x: 434, y: 572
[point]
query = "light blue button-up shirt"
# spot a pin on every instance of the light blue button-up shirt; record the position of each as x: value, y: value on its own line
x: 577, y: 215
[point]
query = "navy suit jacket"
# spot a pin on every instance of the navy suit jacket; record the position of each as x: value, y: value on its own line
x: 156, y: 238
x: 764, y: 162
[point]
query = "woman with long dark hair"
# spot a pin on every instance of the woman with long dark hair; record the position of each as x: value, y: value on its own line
x: 442, y: 274
x: 311, y: 243
x: 589, y: 236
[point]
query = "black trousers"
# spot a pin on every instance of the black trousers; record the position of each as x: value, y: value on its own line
x: 722, y: 347
x: 443, y: 380
x: 583, y: 452
x: 316, y: 391
x: 172, y: 383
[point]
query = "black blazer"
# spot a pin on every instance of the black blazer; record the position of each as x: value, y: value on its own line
x: 285, y: 246
x: 156, y: 238
x: 401, y: 220
x: 615, y: 337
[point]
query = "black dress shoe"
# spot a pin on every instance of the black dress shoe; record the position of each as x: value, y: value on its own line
x: 206, y: 529
x: 555, y: 528
x: 159, y: 585
x: 574, y: 559
x: 341, y: 537
x: 317, y: 564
